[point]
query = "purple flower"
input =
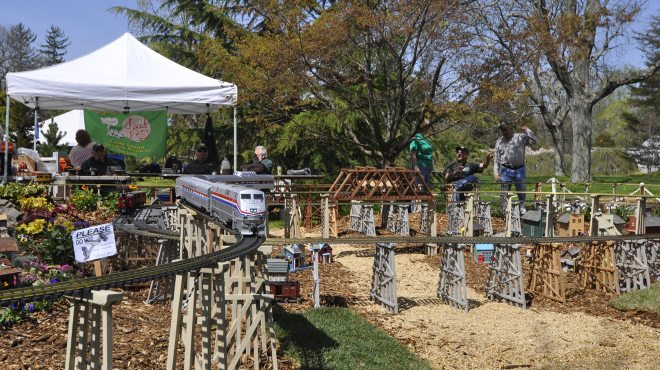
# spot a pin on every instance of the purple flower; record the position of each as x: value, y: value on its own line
x: 29, y: 278
x: 54, y: 280
x: 30, y: 307
x: 66, y: 268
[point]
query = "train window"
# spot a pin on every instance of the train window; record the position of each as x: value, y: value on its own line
x: 258, y: 196
x: 245, y: 196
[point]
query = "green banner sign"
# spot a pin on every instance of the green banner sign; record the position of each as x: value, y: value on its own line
x: 140, y: 134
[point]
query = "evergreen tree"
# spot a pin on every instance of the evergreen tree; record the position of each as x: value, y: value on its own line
x: 52, y: 144
x: 22, y: 56
x: 54, y: 49
x: 645, y: 100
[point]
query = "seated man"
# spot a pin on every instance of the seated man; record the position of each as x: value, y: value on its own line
x: 460, y: 174
x: 260, y: 162
x: 98, y: 164
x: 201, y: 165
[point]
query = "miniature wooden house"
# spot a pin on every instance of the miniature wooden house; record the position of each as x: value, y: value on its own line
x: 278, y: 269
x: 571, y: 224
x: 608, y: 224
x: 533, y: 223
x: 569, y: 258
x: 651, y: 223
x: 9, y: 248
x: 295, y: 254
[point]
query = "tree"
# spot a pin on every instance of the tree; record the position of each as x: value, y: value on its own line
x: 4, y: 56
x: 52, y: 144
x: 571, y: 40
x: 575, y: 37
x: 54, y: 49
x: 22, y: 56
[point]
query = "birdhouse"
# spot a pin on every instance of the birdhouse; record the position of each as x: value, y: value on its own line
x: 571, y: 224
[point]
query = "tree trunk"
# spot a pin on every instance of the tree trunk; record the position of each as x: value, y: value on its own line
x: 580, y: 115
x: 557, y: 142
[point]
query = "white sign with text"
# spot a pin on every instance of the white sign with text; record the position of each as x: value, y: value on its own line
x: 94, y: 242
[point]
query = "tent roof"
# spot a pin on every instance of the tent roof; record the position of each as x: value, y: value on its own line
x: 122, y: 74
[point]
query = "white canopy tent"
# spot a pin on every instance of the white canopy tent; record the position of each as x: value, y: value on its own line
x: 122, y: 76
x: 68, y: 124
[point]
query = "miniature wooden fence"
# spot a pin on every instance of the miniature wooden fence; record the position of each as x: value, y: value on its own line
x: 547, y: 277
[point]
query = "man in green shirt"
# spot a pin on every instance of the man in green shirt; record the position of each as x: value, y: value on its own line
x: 421, y: 157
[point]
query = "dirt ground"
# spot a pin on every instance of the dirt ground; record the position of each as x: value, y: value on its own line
x: 584, y: 333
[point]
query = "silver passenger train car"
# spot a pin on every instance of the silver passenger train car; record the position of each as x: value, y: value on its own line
x: 239, y: 208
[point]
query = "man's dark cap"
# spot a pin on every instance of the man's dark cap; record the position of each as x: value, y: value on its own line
x: 462, y: 148
x: 201, y: 146
x: 504, y: 125
x: 98, y: 147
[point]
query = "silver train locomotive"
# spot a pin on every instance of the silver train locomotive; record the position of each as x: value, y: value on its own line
x: 240, y: 208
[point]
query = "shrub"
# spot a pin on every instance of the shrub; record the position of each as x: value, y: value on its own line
x: 85, y: 200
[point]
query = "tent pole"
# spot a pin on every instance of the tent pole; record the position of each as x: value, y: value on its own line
x: 4, y: 176
x: 36, y: 129
x: 235, y: 141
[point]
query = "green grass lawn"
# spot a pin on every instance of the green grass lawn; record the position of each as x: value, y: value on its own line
x: 642, y: 300
x: 338, y: 338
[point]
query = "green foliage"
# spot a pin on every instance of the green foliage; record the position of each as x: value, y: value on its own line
x: 641, y: 300
x: 110, y: 201
x: 14, y: 191
x: 612, y: 161
x: 338, y: 338
x: 52, y: 144
x: 85, y: 200
x: 624, y: 211
x: 56, y: 246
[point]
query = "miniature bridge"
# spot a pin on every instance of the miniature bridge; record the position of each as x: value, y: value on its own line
x: 220, y: 312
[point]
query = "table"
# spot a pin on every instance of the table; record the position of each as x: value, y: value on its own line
x: 66, y: 181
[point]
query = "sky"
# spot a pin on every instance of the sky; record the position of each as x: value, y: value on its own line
x: 89, y: 25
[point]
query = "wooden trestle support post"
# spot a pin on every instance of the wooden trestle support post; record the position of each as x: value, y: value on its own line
x: 452, y: 288
x: 229, y: 299
x: 316, y: 277
x: 291, y: 217
x: 632, y: 264
x: 546, y: 276
x: 597, y: 268
x: 505, y: 276
x: 455, y: 215
x: 383, y: 282
x: 429, y: 226
x: 512, y: 225
x: 329, y: 217
x: 483, y: 217
x: 90, y: 331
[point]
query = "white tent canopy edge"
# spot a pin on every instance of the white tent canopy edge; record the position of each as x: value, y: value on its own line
x: 122, y: 76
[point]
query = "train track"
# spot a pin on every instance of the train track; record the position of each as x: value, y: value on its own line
x: 461, y: 240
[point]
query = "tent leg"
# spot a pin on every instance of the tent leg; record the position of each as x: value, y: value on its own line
x: 4, y: 177
x: 235, y: 141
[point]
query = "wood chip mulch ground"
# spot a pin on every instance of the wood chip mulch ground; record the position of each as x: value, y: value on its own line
x: 582, y: 333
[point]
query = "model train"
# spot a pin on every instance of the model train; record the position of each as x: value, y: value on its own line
x: 239, y: 208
